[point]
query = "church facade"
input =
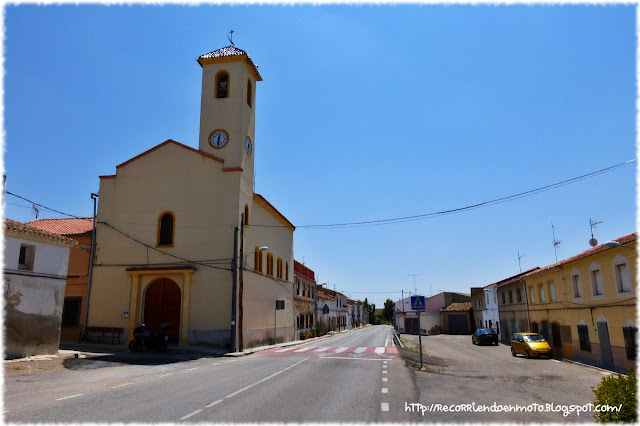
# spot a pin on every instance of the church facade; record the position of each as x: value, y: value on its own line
x: 181, y: 237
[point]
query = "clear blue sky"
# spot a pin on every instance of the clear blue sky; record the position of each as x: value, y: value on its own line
x: 365, y: 112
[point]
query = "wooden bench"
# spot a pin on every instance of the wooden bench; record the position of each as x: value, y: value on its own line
x: 106, y: 332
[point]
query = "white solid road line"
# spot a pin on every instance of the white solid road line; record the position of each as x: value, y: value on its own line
x: 214, y: 403
x: 384, y: 406
x: 349, y: 358
x: 385, y: 390
x: 216, y: 363
x: 189, y: 415
x: 122, y: 384
x: 260, y: 381
x: 386, y: 342
x: 360, y: 349
x: 165, y: 375
x: 189, y: 369
x: 67, y: 397
x: 380, y: 350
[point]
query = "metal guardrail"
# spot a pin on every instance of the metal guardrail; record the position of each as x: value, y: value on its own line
x: 397, y: 337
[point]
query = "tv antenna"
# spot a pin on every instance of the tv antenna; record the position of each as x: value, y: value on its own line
x: 593, y: 224
x: 414, y: 282
x: 231, y: 38
x: 35, y: 210
x: 556, y: 243
x: 520, y: 257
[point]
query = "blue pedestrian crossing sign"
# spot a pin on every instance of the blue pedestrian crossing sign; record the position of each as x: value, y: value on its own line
x: 417, y: 303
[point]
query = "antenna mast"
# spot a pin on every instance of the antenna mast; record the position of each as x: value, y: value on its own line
x: 520, y: 257
x: 593, y: 224
x: 556, y: 243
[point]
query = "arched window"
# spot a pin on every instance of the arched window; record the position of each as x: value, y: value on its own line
x: 249, y: 94
x: 246, y: 215
x: 166, y: 229
x: 270, y: 264
x: 222, y: 84
x: 279, y: 268
x: 257, y: 260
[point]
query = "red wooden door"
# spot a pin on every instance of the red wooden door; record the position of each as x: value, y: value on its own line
x: 162, y: 304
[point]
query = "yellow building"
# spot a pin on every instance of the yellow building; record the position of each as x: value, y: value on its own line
x: 585, y: 306
x: 172, y: 220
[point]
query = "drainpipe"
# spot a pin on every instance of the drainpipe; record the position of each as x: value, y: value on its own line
x: 94, y: 197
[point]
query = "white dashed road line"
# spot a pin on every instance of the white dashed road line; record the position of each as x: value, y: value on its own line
x: 384, y: 371
x: 67, y: 397
x: 165, y: 375
x: 384, y: 406
x: 191, y: 414
x: 385, y: 390
x: 214, y: 403
x: 122, y: 384
x: 189, y: 369
x: 384, y: 379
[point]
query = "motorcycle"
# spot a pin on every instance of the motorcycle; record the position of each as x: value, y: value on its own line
x: 144, y: 339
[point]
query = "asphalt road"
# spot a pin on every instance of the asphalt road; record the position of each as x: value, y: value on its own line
x: 458, y: 372
x: 350, y: 377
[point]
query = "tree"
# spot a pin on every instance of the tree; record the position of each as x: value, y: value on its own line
x: 387, y: 312
x: 371, y: 309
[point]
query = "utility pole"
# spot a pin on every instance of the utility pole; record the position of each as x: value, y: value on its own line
x: 240, y: 307
x: 234, y: 299
x: 94, y: 197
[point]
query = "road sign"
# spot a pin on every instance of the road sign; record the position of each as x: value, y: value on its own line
x: 417, y: 303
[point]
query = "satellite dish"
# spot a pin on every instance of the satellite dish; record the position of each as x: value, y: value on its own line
x: 593, y: 242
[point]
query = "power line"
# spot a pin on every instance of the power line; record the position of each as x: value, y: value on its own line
x: 43, y: 206
x: 402, y: 219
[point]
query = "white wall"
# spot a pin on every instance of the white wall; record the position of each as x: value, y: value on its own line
x: 48, y: 258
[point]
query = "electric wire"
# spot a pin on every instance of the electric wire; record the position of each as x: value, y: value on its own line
x: 401, y: 219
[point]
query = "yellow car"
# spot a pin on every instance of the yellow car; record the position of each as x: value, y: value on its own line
x: 530, y: 344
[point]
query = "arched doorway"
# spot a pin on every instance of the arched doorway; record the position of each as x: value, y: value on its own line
x: 162, y: 304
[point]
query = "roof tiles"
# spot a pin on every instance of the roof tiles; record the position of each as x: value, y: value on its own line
x: 70, y: 226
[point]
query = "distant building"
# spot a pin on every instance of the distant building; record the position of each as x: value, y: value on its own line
x: 35, y: 274
x: 484, y: 302
x: 586, y: 306
x: 512, y: 305
x: 456, y: 318
x: 406, y: 319
x: 75, y: 294
x: 327, y: 312
x: 304, y: 298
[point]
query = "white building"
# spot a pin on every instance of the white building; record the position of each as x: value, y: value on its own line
x: 35, y: 274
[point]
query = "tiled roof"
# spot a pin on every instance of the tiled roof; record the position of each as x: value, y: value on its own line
x: 230, y: 51
x: 225, y: 51
x: 513, y: 277
x: 322, y: 295
x: 458, y: 307
x: 597, y: 249
x: 70, y: 226
x: 300, y: 269
x: 24, y: 229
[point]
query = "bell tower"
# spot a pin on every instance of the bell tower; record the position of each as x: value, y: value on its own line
x: 227, y: 109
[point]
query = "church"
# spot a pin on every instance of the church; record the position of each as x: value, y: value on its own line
x: 182, y: 238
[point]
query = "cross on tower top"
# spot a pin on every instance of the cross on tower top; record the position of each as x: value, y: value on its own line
x: 231, y: 38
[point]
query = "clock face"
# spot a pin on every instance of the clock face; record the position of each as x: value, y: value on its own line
x: 219, y: 139
x: 248, y: 144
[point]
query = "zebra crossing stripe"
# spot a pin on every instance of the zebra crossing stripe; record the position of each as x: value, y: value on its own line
x: 286, y: 349
x: 303, y: 349
x: 360, y: 349
x: 380, y: 350
x: 341, y: 349
x: 323, y: 348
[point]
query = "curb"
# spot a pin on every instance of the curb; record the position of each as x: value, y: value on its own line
x: 570, y: 361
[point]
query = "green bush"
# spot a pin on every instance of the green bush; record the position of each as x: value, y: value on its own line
x: 617, y: 390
